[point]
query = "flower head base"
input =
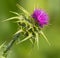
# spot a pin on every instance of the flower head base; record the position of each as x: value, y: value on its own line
x: 41, y: 17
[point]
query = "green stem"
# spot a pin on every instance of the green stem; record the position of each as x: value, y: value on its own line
x: 11, y: 43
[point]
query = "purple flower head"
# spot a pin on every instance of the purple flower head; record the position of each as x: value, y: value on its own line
x: 41, y: 17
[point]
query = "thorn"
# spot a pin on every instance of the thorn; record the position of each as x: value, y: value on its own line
x: 14, y: 13
x: 45, y: 38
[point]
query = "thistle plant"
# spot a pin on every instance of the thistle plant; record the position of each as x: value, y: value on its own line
x: 30, y: 25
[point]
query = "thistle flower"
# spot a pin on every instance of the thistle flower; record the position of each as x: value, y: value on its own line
x: 41, y: 17
x: 27, y: 27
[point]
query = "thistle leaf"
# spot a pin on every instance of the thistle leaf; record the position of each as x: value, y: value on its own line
x: 18, y: 32
x: 2, y: 45
x: 37, y: 41
x: 36, y: 4
x: 16, y: 17
x: 31, y: 41
x: 30, y: 35
x: 45, y: 37
x: 21, y: 8
x: 15, y: 13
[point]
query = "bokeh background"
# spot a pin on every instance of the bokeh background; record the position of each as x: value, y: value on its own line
x: 52, y: 31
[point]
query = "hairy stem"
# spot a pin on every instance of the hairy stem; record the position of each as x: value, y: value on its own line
x: 11, y: 43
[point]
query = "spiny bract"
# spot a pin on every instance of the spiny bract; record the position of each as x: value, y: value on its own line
x: 28, y: 26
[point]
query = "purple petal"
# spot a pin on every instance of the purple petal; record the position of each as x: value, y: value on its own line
x: 41, y: 17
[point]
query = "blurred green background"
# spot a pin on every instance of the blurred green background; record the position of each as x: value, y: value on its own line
x: 52, y: 31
